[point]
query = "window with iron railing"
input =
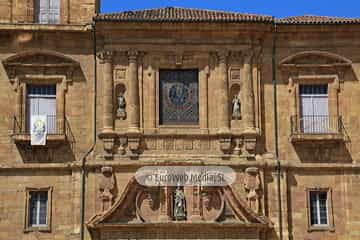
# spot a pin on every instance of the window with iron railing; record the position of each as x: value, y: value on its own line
x: 314, y: 108
x: 41, y: 100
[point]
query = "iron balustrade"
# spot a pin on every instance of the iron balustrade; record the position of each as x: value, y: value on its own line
x: 55, y: 125
x: 316, y: 124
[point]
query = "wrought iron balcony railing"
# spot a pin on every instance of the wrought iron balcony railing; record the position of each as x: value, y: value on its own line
x: 316, y: 125
x: 55, y: 127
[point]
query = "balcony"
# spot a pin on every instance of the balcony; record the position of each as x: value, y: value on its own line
x: 316, y: 129
x: 58, y: 131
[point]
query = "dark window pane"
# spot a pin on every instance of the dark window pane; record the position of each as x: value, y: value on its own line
x: 32, y: 208
x: 41, y: 89
x: 179, y: 97
x: 43, y: 207
x: 313, y: 208
x: 314, y: 89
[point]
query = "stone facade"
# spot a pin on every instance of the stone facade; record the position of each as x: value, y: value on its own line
x: 233, y: 55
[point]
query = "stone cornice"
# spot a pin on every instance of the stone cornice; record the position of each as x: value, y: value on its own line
x: 45, y: 27
x: 262, y: 164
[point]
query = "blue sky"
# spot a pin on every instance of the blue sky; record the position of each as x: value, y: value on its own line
x: 277, y: 8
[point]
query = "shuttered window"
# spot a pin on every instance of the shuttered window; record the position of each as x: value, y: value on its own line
x: 314, y: 108
x: 47, y: 11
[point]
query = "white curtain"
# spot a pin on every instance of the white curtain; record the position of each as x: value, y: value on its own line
x: 45, y: 106
x: 314, y: 113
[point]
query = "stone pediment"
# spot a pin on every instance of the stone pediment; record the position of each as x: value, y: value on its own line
x: 39, y: 62
x: 144, y: 206
x: 314, y: 59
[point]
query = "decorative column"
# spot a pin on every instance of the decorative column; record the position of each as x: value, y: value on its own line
x: 133, y: 93
x: 107, y: 135
x: 250, y: 133
x: 152, y: 97
x: 248, y: 94
x: 106, y: 58
x: 223, y: 95
x: 133, y: 104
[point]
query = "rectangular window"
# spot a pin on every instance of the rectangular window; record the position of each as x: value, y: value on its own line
x: 179, y: 97
x: 47, y: 11
x: 41, y: 100
x: 38, y: 208
x: 319, y: 208
x: 314, y: 108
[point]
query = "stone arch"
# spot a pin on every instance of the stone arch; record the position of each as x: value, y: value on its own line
x: 315, y: 57
x: 22, y: 57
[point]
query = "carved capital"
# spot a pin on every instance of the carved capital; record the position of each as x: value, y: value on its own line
x: 248, y: 56
x: 133, y: 55
x: 236, y: 56
x: 106, y: 56
x: 223, y: 55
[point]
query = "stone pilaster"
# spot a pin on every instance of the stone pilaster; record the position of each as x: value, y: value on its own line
x: 133, y: 93
x: 108, y: 135
x: 248, y: 105
x: 106, y: 57
x: 223, y: 95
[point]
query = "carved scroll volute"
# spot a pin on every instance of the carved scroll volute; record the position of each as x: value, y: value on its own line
x: 107, y: 188
x: 213, y: 204
x: 148, y: 205
x: 252, y: 187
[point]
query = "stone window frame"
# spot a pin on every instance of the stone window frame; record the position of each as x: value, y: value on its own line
x: 330, y: 226
x: 330, y: 72
x: 24, y: 80
x: 46, y: 228
x: 331, y: 80
x: 183, y: 61
x: 191, y: 124
x: 59, y: 72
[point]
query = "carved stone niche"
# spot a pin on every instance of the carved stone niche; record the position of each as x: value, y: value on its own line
x: 107, y: 188
x: 252, y: 187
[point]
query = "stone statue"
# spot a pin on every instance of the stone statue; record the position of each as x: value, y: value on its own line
x: 179, y: 204
x: 121, y: 113
x: 236, y: 105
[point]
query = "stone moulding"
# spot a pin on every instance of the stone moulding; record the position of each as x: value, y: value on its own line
x: 128, y: 210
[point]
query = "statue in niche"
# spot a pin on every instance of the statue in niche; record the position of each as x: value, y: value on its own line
x: 179, y: 204
x: 121, y: 112
x: 236, y: 107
